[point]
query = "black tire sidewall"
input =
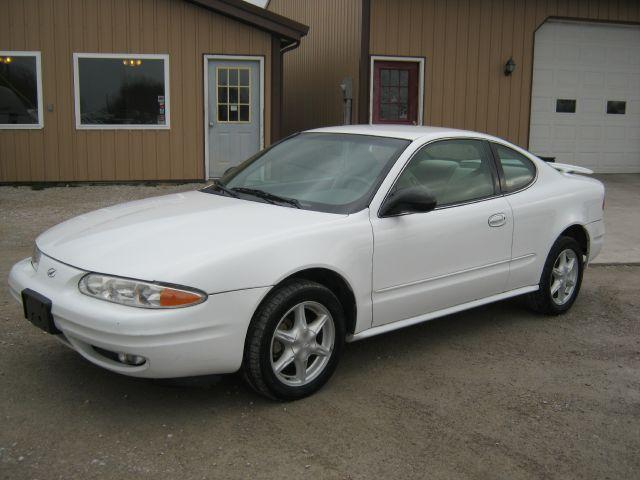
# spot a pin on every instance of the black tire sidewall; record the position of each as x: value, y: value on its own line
x: 302, y: 291
x: 563, y: 243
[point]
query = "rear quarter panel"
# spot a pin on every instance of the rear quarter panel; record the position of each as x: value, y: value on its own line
x: 542, y: 212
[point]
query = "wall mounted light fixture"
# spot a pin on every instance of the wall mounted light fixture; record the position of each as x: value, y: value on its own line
x: 509, y: 67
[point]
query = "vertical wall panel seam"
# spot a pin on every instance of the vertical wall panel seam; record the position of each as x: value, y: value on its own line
x: 27, y: 133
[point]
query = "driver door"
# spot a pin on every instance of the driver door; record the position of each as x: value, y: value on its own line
x: 457, y: 253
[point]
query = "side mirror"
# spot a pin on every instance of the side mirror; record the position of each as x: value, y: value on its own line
x: 408, y: 200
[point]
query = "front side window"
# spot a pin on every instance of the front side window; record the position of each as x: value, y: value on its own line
x: 328, y: 172
x: 20, y: 90
x: 122, y: 91
x: 518, y: 170
x: 453, y: 171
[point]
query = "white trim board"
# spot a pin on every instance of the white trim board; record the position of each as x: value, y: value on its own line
x: 206, y: 59
x: 421, y: 64
x: 167, y: 91
x: 28, y: 126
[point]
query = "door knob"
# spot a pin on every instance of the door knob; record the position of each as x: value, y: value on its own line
x: 497, y: 220
x: 210, y: 124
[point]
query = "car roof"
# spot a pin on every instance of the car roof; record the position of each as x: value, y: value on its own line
x: 407, y: 132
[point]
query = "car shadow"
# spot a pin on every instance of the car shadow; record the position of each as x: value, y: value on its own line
x: 102, y: 391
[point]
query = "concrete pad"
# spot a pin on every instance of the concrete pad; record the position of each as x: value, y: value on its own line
x: 621, y: 218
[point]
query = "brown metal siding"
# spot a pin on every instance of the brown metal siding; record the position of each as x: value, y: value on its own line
x: 313, y: 72
x: 58, y: 28
x: 466, y: 44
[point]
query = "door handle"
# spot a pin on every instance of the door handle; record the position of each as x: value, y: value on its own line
x: 497, y: 220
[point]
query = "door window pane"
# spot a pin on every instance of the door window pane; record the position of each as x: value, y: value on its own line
x: 237, y: 104
x: 222, y: 76
x: 518, y: 170
x: 384, y: 76
x: 394, y: 92
x: 244, y: 77
x: 404, y: 78
x: 453, y: 171
x: 233, y: 95
x: 223, y: 113
x: 389, y: 111
x: 19, y: 93
x: 244, y: 113
x: 233, y: 113
x: 233, y: 76
x: 244, y: 95
x: 393, y: 77
x: 223, y: 94
x: 122, y: 91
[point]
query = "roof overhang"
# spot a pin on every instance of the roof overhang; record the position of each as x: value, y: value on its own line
x: 289, y: 31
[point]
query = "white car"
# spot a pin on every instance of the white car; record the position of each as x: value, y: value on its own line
x: 332, y: 235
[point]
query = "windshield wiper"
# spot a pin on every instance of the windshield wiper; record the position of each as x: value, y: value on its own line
x: 269, y: 197
x: 221, y: 188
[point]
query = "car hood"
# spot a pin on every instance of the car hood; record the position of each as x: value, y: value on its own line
x: 165, y: 238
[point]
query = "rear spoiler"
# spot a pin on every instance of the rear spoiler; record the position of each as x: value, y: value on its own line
x: 565, y: 168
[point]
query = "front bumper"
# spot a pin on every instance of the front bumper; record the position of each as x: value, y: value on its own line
x: 204, y: 339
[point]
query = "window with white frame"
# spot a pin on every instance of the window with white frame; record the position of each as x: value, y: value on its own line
x: 121, y: 91
x: 20, y: 90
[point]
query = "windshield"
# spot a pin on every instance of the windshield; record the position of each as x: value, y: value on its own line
x: 328, y: 172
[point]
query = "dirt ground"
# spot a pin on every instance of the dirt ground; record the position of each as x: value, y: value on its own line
x: 496, y: 392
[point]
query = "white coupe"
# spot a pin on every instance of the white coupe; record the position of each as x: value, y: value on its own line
x: 329, y: 236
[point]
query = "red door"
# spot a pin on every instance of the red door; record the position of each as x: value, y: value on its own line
x: 395, y: 92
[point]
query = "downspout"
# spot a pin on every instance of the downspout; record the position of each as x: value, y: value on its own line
x: 277, y: 53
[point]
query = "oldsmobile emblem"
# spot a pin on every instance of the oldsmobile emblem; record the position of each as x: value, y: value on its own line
x: 51, y: 272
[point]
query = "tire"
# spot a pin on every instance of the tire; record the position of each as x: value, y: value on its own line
x: 545, y: 300
x: 278, y: 336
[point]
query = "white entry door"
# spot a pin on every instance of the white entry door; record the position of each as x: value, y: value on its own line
x: 585, y: 106
x: 234, y: 112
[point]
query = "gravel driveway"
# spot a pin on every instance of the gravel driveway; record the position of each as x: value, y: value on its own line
x: 496, y: 392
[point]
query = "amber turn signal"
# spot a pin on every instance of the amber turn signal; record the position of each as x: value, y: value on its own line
x: 177, y: 298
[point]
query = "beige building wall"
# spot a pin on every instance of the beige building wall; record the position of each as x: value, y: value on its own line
x: 466, y: 44
x: 58, y: 28
x: 314, y: 71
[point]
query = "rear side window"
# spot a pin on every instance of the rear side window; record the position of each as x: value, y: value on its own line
x: 518, y: 170
x: 454, y: 171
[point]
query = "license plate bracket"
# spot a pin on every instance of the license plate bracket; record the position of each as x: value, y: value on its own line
x: 37, y: 309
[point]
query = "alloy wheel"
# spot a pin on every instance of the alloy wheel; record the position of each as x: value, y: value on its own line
x: 564, y: 276
x: 302, y: 343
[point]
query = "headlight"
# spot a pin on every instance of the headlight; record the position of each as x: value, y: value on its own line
x: 35, y: 257
x: 136, y: 293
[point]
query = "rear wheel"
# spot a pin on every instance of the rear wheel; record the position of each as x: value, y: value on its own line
x: 561, y: 278
x: 294, y: 341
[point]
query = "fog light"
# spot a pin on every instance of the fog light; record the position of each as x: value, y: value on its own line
x: 131, y: 359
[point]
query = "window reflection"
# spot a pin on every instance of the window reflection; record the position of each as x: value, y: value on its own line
x: 18, y: 90
x: 116, y: 91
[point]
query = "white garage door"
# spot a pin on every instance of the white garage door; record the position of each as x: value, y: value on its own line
x: 585, y: 105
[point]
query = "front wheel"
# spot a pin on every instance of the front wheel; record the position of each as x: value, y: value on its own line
x: 294, y: 341
x: 561, y: 278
